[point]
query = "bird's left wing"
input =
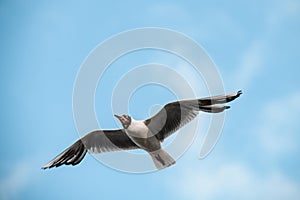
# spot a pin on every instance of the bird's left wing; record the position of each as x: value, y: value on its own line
x: 98, y: 141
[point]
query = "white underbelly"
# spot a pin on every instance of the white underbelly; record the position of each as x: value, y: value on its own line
x: 137, y: 132
x: 142, y: 137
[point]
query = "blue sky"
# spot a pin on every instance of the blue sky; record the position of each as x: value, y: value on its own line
x: 255, y: 47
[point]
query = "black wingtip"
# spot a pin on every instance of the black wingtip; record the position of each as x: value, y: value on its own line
x: 45, y: 167
x: 239, y: 93
x: 227, y: 107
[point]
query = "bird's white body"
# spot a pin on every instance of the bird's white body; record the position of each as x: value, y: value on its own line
x: 141, y: 135
x: 137, y: 128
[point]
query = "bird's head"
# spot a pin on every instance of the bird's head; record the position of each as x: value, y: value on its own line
x: 125, y: 120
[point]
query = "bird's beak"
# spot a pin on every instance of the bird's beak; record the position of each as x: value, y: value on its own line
x: 117, y: 116
x: 121, y: 118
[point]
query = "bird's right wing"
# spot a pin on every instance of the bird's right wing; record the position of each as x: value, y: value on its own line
x: 98, y: 141
x: 177, y: 114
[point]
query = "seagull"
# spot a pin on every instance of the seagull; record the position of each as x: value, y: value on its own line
x: 143, y: 134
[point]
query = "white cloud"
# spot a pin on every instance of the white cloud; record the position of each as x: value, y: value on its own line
x: 250, y: 64
x: 278, y: 134
x: 16, y: 180
x: 233, y: 181
x: 280, y: 12
x: 253, y: 59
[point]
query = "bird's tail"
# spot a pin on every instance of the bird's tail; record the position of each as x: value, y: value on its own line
x: 71, y: 156
x: 162, y: 159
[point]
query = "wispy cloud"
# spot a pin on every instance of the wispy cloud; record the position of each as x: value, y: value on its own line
x: 234, y: 181
x: 254, y: 58
x: 278, y: 134
x: 250, y: 64
x: 16, y: 180
x: 280, y: 12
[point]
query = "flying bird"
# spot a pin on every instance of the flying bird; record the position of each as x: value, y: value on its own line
x: 143, y: 134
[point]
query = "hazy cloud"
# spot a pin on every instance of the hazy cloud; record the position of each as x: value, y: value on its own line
x: 250, y: 64
x: 16, y: 180
x: 234, y: 181
x: 278, y: 134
